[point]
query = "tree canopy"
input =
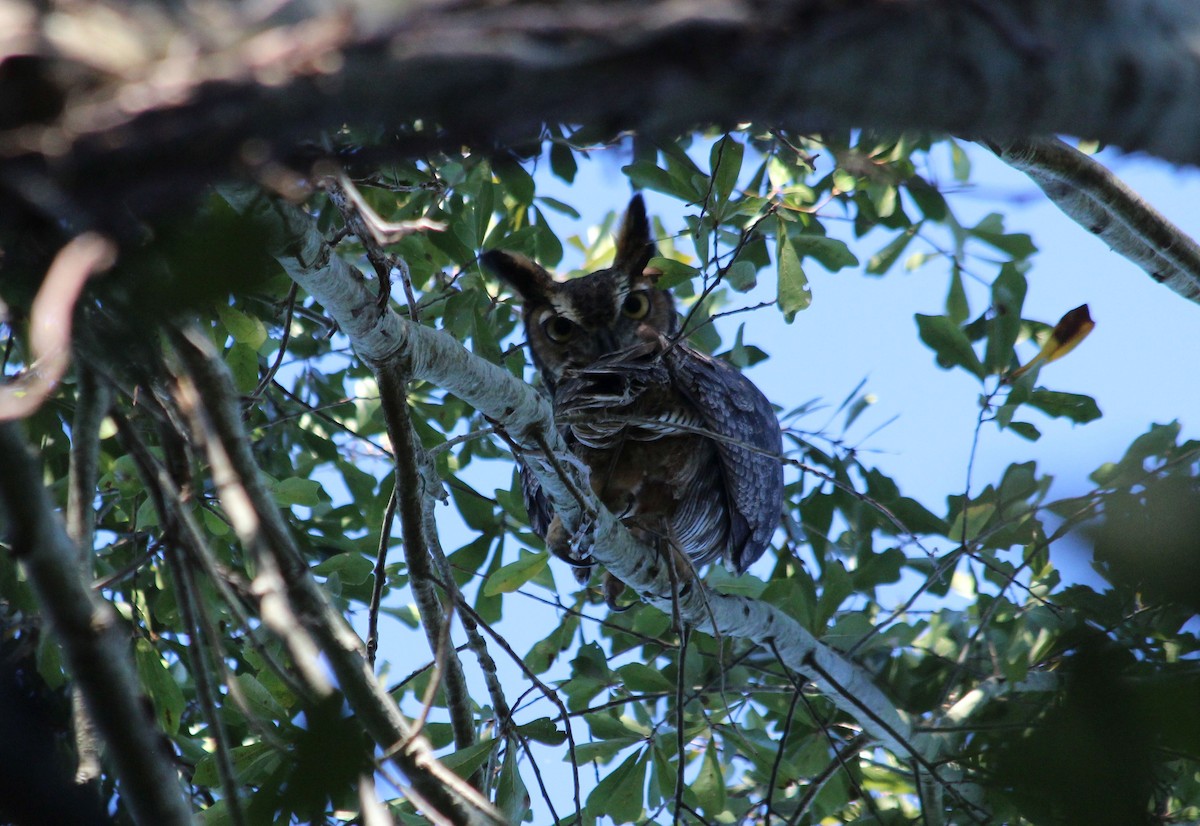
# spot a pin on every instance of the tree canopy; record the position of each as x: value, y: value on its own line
x: 266, y: 557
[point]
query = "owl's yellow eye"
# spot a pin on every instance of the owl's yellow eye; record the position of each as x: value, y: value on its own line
x: 636, y: 305
x: 558, y: 328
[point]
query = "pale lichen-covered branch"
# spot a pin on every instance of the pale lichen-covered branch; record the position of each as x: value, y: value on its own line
x: 1096, y: 199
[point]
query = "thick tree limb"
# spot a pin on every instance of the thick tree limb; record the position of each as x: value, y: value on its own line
x: 166, y: 106
x: 381, y: 337
x: 96, y: 650
x: 1096, y: 199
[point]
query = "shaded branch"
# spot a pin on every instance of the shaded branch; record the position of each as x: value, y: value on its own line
x: 191, y: 106
x: 91, y: 406
x: 95, y: 647
x: 409, y: 492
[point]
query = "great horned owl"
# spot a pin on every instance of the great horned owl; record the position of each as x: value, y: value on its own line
x: 680, y: 446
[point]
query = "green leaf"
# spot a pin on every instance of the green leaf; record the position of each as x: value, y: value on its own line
x: 159, y: 684
x: 245, y: 329
x: 543, y: 730
x: 606, y: 725
x: 928, y: 198
x: 835, y: 587
x: 352, y: 568
x: 949, y: 343
x: 242, y: 362
x: 296, y: 491
x: 559, y: 206
x: 991, y: 231
x: 603, y: 751
x: 482, y: 210
x: 831, y: 252
x: 725, y: 160
x: 515, y: 574
x: 741, y: 275
x: 645, y: 175
x: 958, y: 309
x: 673, y: 272
x: 1025, y: 430
x: 464, y: 762
x: 1008, y: 297
x: 619, y: 794
x: 259, y: 699
x: 709, y: 785
x: 515, y: 179
x: 974, y: 519
x: 882, y: 261
x: 960, y: 162
x: 639, y: 677
x: 477, y: 510
x: 794, y: 294
x: 253, y: 763
x: 1074, y: 406
x: 511, y: 795
x: 562, y: 162
x: 549, y: 248
x: 726, y: 582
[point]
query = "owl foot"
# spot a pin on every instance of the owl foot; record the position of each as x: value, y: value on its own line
x: 573, y: 549
x: 613, y: 588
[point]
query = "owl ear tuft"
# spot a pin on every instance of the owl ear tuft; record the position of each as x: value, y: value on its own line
x: 530, y: 280
x: 635, y: 247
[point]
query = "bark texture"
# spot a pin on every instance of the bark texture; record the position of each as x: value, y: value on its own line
x: 142, y: 103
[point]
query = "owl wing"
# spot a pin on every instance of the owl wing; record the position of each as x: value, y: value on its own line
x: 536, y: 504
x: 541, y: 514
x: 733, y: 408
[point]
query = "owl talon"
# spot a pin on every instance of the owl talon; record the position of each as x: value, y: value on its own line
x: 570, y: 548
x: 613, y: 588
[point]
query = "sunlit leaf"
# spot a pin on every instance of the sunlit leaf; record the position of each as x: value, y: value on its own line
x: 793, y: 291
x: 948, y: 341
x: 515, y: 574
x: 725, y: 160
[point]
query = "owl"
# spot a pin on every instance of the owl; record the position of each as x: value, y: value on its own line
x: 680, y: 446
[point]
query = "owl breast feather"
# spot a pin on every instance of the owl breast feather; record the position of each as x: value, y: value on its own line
x: 679, y: 445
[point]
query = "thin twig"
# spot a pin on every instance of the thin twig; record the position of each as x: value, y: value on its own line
x: 385, y: 535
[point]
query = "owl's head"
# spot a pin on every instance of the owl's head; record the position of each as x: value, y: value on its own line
x: 571, y: 324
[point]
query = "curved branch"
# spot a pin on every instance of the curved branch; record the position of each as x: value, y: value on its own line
x: 50, y: 323
x: 1096, y: 199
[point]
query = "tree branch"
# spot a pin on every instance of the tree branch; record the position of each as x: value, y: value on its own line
x: 95, y: 647
x: 409, y: 490
x: 145, y: 126
x: 1096, y: 199
x: 91, y: 406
